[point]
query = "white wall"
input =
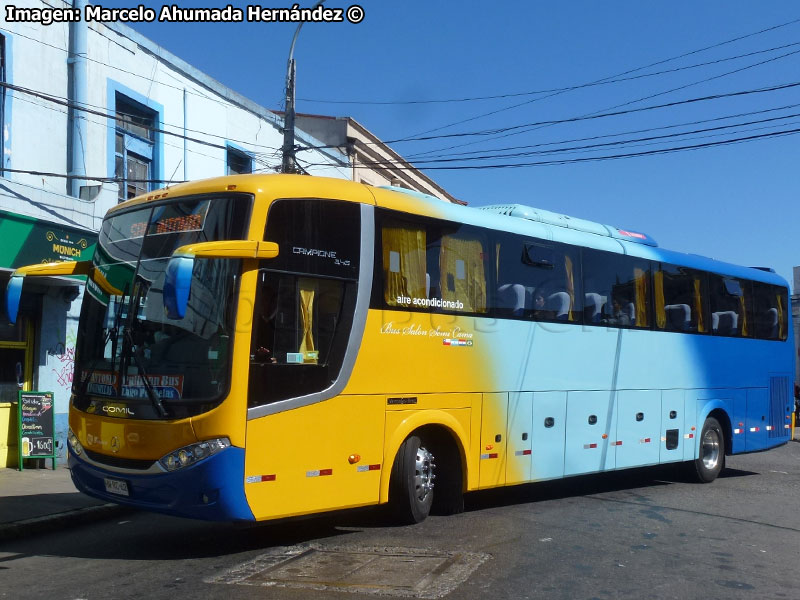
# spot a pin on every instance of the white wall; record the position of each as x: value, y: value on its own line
x: 120, y: 56
x: 55, y: 354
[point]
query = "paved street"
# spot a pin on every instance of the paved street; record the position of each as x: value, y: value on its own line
x: 636, y: 534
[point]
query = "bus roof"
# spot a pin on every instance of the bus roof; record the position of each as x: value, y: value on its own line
x: 511, y: 217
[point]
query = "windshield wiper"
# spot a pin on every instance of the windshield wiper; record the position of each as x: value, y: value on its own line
x: 113, y: 335
x: 151, y: 393
x: 129, y: 346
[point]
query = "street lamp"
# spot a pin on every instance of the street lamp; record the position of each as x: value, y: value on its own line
x: 288, y: 164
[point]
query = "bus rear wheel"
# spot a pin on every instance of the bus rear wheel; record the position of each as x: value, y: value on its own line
x: 711, y: 459
x: 411, y: 491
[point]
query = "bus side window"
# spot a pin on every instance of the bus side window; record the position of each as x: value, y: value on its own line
x: 616, y: 289
x: 537, y: 280
x: 404, y: 263
x: 769, y: 311
x: 462, y: 261
x: 680, y: 299
x: 730, y: 300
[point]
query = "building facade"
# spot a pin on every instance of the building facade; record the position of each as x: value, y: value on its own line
x: 92, y: 114
x: 371, y: 161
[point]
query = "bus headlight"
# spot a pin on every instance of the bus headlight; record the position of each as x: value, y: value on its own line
x: 72, y: 439
x: 192, y: 454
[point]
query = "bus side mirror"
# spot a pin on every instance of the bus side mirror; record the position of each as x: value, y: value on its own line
x: 178, y: 276
x: 12, y: 298
x: 178, y: 286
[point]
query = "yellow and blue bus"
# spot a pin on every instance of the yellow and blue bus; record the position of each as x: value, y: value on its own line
x: 265, y: 346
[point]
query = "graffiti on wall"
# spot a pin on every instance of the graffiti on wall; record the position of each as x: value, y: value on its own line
x: 64, y: 355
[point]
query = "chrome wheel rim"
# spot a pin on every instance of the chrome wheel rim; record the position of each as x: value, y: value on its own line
x: 423, y: 474
x: 710, y: 449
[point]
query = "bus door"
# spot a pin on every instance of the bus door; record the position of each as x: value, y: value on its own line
x: 309, y: 447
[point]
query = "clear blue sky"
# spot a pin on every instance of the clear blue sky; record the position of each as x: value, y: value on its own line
x: 738, y: 203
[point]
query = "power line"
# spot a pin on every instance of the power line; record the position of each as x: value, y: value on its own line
x: 654, y: 64
x: 484, y: 132
x: 121, y: 70
x: 608, y: 144
x: 103, y: 123
x: 598, y: 158
x: 547, y: 91
x: 101, y: 111
x: 414, y: 157
x: 706, y: 80
x: 104, y: 179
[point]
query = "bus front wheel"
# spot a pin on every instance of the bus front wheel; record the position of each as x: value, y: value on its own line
x: 411, y: 487
x: 711, y: 457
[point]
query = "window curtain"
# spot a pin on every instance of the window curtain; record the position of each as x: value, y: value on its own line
x: 570, y: 285
x: 640, y: 283
x: 661, y: 315
x: 743, y: 313
x: 781, y: 317
x: 463, y: 278
x: 307, y: 346
x: 408, y: 243
x: 698, y: 305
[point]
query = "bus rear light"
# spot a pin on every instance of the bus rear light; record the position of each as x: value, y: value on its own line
x: 192, y: 454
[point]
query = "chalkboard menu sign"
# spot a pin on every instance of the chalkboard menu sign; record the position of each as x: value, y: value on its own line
x: 36, y: 426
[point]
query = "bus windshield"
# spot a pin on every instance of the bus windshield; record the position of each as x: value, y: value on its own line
x: 131, y: 359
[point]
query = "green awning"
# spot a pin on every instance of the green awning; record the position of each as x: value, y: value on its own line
x: 28, y: 241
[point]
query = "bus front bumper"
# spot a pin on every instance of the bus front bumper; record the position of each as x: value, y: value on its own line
x: 212, y: 489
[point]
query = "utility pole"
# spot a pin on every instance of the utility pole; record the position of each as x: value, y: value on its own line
x: 288, y: 164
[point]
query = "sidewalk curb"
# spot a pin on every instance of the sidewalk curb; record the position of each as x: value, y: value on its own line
x: 90, y: 514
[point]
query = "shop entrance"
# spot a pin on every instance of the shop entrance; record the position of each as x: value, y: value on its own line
x: 16, y: 366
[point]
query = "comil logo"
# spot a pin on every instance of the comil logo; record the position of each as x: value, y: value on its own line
x: 118, y: 410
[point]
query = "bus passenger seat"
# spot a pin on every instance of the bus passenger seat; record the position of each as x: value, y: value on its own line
x: 511, y: 298
x: 630, y: 310
x: 593, y: 307
x: 679, y: 316
x: 772, y: 319
x: 725, y: 322
x: 559, y: 302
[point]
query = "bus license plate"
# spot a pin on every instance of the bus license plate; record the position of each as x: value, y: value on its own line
x: 115, y: 486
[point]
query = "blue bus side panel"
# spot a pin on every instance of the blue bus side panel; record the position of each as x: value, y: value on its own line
x: 733, y: 403
x: 690, y: 429
x: 591, y: 427
x: 549, y: 435
x: 638, y: 428
x: 758, y: 409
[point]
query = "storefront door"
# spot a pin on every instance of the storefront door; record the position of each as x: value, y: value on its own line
x: 16, y: 366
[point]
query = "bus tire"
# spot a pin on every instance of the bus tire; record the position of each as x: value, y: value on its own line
x: 411, y: 484
x: 711, y: 459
